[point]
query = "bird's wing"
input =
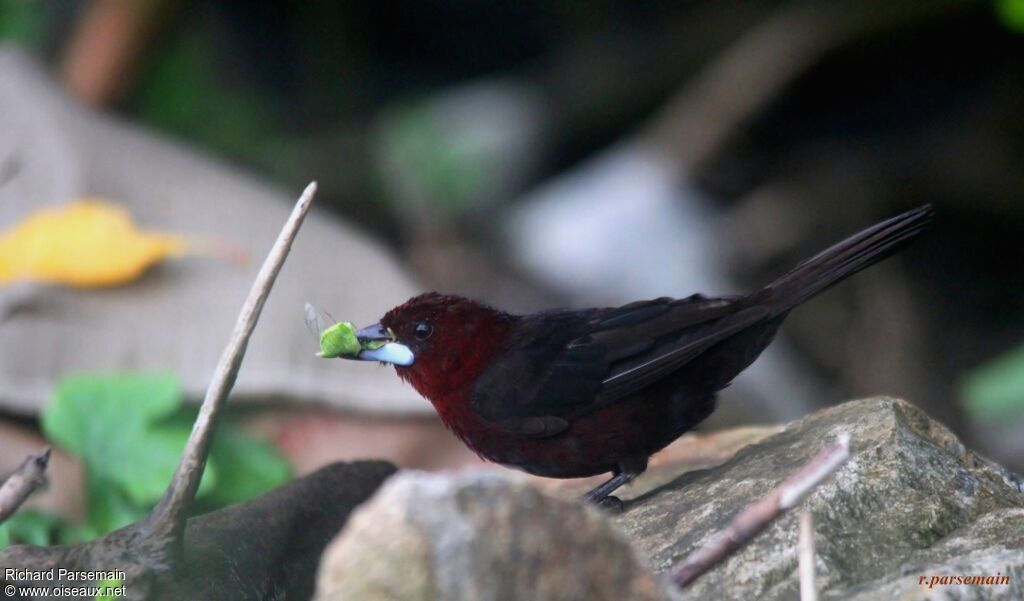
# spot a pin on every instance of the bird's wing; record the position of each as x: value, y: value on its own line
x: 640, y: 370
x: 567, y: 364
x: 506, y: 394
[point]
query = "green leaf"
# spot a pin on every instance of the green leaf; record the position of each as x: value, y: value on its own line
x: 119, y: 426
x: 151, y: 464
x: 5, y: 538
x: 32, y: 527
x: 106, y: 593
x: 77, y: 533
x: 87, y: 409
x: 42, y: 528
x: 248, y: 467
x: 996, y: 389
x: 130, y: 431
x: 110, y: 507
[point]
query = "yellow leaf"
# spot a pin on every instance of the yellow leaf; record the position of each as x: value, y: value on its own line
x: 87, y: 244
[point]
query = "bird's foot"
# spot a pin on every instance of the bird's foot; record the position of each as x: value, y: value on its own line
x: 611, y: 504
x: 602, y: 494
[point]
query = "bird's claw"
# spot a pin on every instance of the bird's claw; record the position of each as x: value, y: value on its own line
x: 610, y: 503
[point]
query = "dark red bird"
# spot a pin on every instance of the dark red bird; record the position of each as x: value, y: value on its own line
x: 574, y: 393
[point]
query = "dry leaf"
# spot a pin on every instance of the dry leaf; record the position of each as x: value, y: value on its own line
x: 87, y: 244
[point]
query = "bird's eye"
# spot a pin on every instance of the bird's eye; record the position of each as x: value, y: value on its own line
x: 422, y: 330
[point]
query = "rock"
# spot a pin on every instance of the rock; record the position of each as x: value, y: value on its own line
x: 988, y: 548
x: 911, y: 505
x: 911, y: 502
x: 269, y: 547
x: 178, y: 316
x: 481, y: 537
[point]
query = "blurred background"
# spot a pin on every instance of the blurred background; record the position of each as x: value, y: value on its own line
x: 529, y: 154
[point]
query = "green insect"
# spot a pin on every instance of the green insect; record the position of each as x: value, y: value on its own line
x: 338, y: 340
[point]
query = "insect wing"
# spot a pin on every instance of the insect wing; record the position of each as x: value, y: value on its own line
x: 316, y: 321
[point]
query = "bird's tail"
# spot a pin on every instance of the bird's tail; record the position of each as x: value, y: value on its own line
x: 844, y: 259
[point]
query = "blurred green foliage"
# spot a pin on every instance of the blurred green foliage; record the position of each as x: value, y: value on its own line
x: 119, y: 427
x: 129, y: 431
x: 106, y: 585
x: 1011, y: 14
x: 436, y: 159
x: 185, y: 92
x: 32, y: 527
x: 996, y: 389
x: 21, y: 22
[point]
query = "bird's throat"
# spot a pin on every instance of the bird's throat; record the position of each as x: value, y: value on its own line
x: 446, y: 376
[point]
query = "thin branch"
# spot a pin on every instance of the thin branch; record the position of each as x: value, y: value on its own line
x: 755, y: 518
x: 805, y: 557
x: 22, y: 483
x: 167, y: 521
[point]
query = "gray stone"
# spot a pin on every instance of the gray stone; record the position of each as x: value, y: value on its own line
x: 911, y: 502
x: 989, y: 548
x: 479, y: 537
x: 177, y: 317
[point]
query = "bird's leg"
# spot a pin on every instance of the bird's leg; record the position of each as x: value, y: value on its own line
x: 627, y: 472
x: 600, y: 494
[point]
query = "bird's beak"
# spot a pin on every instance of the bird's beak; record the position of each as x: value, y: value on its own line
x: 379, y: 344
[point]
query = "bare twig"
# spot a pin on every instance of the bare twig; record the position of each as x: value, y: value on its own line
x: 805, y: 557
x: 167, y: 521
x: 755, y: 518
x: 22, y: 483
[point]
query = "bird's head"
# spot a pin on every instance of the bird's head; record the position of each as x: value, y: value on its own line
x: 439, y: 343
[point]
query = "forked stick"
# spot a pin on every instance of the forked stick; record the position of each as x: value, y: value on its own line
x: 755, y: 518
x: 167, y: 522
